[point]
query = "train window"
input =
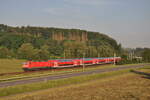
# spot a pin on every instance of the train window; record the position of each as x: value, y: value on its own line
x: 25, y: 63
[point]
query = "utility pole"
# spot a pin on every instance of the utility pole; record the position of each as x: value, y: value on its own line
x: 114, y: 58
x: 131, y: 55
x: 98, y: 55
x: 64, y: 54
x: 83, y: 61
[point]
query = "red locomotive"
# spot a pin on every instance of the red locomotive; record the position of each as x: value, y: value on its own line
x: 61, y: 63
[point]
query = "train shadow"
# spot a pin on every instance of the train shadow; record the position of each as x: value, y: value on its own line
x: 145, y: 75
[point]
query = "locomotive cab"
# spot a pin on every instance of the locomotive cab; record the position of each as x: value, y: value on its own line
x: 26, y: 66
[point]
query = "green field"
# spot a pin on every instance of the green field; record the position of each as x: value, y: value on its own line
x: 118, y: 85
x: 57, y: 83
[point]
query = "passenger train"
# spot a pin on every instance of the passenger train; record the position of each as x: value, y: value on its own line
x: 62, y: 63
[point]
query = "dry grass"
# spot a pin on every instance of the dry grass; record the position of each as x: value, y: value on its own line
x: 129, y: 86
x: 10, y: 65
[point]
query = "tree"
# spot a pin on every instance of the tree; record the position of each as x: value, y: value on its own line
x: 26, y: 51
x: 4, y: 52
x: 43, y: 53
x: 74, y: 49
x: 146, y: 55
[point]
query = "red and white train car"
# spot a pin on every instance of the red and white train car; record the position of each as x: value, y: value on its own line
x: 61, y: 63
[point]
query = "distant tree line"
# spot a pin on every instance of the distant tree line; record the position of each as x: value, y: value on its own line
x: 146, y: 54
x: 137, y: 55
x: 67, y: 50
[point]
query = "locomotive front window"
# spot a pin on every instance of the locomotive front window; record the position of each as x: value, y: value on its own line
x: 25, y: 63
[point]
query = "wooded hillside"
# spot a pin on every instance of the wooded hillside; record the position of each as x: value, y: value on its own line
x: 39, y: 43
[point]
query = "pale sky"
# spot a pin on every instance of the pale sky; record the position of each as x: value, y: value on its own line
x: 127, y: 21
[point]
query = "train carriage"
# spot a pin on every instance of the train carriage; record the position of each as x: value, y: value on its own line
x: 61, y: 63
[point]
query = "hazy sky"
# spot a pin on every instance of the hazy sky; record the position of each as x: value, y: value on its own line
x: 127, y: 21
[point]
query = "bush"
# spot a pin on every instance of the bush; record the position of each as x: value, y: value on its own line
x: 125, y: 61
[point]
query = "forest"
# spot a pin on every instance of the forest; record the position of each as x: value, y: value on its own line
x: 43, y: 43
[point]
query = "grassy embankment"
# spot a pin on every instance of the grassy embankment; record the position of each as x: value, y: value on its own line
x: 57, y: 83
x: 48, y: 73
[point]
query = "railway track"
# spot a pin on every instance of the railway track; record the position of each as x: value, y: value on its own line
x: 57, y: 69
x: 54, y: 77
